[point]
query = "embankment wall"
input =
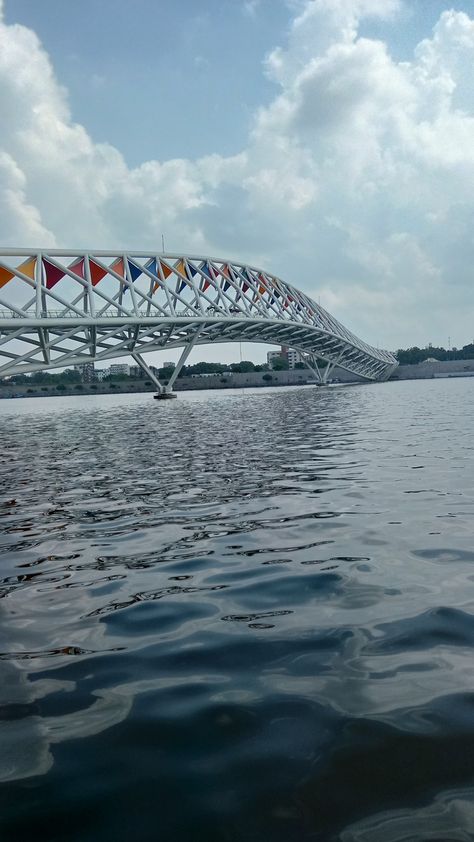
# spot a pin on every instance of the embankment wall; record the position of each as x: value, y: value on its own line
x: 426, y: 371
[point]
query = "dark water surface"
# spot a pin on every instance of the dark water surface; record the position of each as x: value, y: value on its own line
x: 238, y: 616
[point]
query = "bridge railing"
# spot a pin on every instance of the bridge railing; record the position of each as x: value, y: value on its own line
x: 118, y: 314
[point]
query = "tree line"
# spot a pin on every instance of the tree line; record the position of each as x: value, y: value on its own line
x: 410, y: 356
x: 71, y: 376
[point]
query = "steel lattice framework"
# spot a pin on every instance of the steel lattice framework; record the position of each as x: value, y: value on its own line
x: 60, y: 308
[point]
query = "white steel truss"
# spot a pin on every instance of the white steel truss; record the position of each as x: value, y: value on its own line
x: 60, y: 308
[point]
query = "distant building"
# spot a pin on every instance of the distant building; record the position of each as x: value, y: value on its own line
x: 169, y: 365
x: 136, y: 371
x: 101, y: 374
x: 292, y: 356
x: 120, y: 368
x: 87, y: 372
x: 273, y: 355
x: 288, y: 354
x: 207, y: 374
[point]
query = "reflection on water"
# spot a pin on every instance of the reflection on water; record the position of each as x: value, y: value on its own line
x: 257, y: 607
x: 449, y: 816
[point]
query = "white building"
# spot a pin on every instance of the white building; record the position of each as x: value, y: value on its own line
x: 293, y: 357
x: 273, y: 355
x: 120, y: 368
x: 87, y: 372
x: 288, y: 354
x: 101, y: 374
x: 209, y: 374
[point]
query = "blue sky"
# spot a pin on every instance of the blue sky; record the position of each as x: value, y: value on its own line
x: 199, y: 64
x: 329, y: 141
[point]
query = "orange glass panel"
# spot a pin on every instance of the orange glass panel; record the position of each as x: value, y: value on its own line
x: 97, y: 273
x: 5, y: 276
x: 165, y: 269
x: 28, y: 267
x: 118, y: 267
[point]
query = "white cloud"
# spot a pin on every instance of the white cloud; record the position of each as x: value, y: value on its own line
x: 356, y: 182
x: 250, y: 7
x: 17, y: 216
x: 320, y: 25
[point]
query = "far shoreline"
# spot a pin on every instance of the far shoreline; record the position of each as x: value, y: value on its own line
x: 256, y: 380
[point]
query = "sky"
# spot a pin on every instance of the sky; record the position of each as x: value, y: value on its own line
x: 330, y: 142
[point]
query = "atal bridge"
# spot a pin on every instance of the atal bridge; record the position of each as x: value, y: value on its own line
x: 60, y: 308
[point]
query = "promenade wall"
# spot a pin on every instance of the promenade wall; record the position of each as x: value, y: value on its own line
x: 421, y: 371
x: 426, y: 371
x: 249, y: 380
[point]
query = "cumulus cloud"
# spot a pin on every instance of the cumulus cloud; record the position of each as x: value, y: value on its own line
x: 250, y: 7
x: 356, y: 182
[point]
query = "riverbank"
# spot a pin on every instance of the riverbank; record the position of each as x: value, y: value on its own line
x: 251, y: 379
x: 218, y: 381
x: 254, y: 379
x: 432, y: 370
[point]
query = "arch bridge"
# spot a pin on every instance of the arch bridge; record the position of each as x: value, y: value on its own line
x: 60, y: 308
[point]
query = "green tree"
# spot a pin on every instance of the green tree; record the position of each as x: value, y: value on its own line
x: 280, y: 364
x: 70, y: 376
x: 243, y: 367
x: 165, y: 372
x: 206, y: 368
x: 468, y: 351
x: 38, y: 377
x: 412, y: 356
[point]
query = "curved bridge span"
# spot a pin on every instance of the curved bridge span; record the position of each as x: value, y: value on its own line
x: 60, y: 308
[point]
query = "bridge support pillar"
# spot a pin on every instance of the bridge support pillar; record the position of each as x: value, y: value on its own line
x: 141, y: 362
x: 184, y: 356
x: 166, y: 391
x: 314, y: 369
x: 332, y: 365
x: 327, y: 372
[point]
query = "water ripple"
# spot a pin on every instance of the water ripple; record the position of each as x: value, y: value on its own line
x: 239, y: 616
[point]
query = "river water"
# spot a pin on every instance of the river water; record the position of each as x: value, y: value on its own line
x: 238, y: 616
